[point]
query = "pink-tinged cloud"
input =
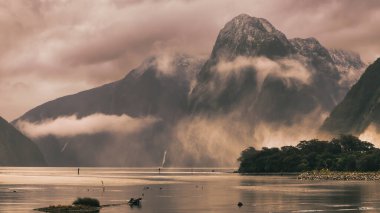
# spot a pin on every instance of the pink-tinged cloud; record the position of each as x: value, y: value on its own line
x: 53, y: 48
x: 70, y: 126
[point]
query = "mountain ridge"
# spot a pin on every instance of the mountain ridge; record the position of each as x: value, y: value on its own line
x: 360, y: 107
x: 16, y: 149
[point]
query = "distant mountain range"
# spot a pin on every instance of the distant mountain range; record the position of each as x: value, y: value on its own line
x: 253, y: 69
x: 16, y: 149
x: 360, y: 107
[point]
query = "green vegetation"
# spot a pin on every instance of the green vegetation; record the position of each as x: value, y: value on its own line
x: 347, y: 153
x: 86, y: 201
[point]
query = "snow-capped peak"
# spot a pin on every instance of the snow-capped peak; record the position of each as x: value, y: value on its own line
x: 250, y: 36
x: 245, y: 21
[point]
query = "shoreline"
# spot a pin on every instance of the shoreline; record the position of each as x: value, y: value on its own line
x: 268, y: 173
x: 339, y: 176
x: 324, y: 175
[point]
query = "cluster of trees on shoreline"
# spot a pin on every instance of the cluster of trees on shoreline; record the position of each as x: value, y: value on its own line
x: 346, y: 153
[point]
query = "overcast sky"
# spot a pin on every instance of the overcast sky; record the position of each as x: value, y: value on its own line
x: 53, y: 48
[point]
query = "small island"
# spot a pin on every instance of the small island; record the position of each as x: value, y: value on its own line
x: 343, y: 158
x: 85, y: 204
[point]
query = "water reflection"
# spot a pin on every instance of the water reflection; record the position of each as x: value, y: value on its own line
x: 181, y: 190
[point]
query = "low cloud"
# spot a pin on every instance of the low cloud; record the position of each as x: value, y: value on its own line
x: 174, y: 64
x: 285, y: 69
x: 165, y: 64
x: 350, y: 76
x: 277, y: 135
x: 371, y: 134
x: 210, y: 141
x: 70, y: 126
x: 218, y: 141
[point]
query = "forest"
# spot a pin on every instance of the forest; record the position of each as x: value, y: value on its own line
x: 345, y: 153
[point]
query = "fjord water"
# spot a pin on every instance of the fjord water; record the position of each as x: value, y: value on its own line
x: 181, y: 190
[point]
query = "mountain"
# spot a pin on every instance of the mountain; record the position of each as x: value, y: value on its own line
x: 360, y: 107
x: 349, y: 65
x: 158, y: 87
x: 254, y: 73
x: 255, y: 70
x: 16, y: 149
x: 247, y: 36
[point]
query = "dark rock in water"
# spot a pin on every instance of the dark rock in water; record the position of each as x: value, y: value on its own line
x: 240, y: 204
x: 135, y: 202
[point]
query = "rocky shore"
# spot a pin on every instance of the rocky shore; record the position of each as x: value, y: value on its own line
x: 340, y: 176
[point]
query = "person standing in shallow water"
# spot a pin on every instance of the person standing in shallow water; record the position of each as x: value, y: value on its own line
x: 78, y: 171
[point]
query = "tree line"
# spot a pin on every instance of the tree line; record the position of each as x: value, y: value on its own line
x: 346, y: 153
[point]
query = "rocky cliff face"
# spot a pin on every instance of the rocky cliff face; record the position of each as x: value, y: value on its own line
x: 16, y: 149
x: 349, y: 65
x: 360, y: 107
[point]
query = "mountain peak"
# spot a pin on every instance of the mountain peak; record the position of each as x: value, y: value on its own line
x: 244, y: 20
x: 245, y: 35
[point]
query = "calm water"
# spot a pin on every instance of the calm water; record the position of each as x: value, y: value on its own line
x: 182, y: 190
